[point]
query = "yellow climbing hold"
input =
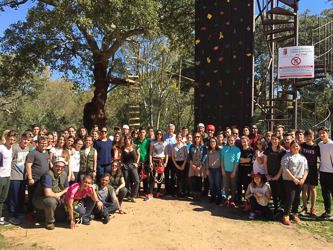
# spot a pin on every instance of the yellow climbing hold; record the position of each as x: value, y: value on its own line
x: 208, y: 60
x: 220, y: 106
x: 248, y: 54
x: 197, y: 41
x: 208, y: 84
x: 209, y: 16
x: 221, y: 35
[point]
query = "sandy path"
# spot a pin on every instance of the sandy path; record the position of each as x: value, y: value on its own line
x: 170, y: 224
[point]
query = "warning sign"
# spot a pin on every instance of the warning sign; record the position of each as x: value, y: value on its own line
x: 296, y: 62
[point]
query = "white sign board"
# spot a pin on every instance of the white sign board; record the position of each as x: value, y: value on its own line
x: 296, y: 62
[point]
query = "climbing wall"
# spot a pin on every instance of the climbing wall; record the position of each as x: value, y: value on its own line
x: 224, y: 40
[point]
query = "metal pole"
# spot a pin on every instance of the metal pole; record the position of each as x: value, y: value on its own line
x: 271, y: 84
x: 296, y: 18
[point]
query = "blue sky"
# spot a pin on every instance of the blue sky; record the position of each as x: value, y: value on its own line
x: 11, y: 15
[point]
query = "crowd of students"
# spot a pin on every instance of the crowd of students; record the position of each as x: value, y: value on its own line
x: 79, y: 177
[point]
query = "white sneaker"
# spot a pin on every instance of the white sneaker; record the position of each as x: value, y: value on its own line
x: 4, y: 223
x: 14, y: 221
x: 252, y: 216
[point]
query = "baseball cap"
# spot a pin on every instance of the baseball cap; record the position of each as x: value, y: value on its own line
x: 200, y: 125
x: 125, y: 127
x: 60, y: 159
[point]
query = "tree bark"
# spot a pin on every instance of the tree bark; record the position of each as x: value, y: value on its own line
x: 94, y: 111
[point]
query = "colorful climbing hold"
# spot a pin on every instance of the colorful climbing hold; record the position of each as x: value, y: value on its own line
x: 228, y: 23
x: 240, y: 92
x: 227, y: 46
x: 203, y: 52
x: 214, y: 95
x: 240, y: 68
x: 208, y: 84
x: 248, y: 54
x: 221, y: 106
x: 203, y: 72
x: 221, y: 12
x: 221, y: 35
x: 197, y: 63
x: 235, y: 9
x: 220, y: 58
x: 203, y: 28
x: 240, y: 42
x: 215, y: 71
x: 197, y: 84
x: 226, y: 93
x: 208, y: 60
x: 197, y: 41
x: 227, y: 71
x: 209, y: 16
x: 234, y: 32
x: 216, y: 47
x: 220, y: 81
x: 241, y: 19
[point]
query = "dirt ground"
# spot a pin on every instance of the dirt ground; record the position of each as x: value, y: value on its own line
x: 169, y: 223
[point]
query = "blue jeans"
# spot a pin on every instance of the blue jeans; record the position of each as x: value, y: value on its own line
x: 215, y: 176
x: 16, y: 197
x: 102, y: 169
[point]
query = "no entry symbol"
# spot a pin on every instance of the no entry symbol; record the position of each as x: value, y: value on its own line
x: 296, y: 61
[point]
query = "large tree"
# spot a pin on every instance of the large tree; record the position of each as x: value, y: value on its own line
x: 82, y: 36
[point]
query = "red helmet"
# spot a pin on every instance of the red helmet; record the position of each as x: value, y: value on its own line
x: 211, y: 127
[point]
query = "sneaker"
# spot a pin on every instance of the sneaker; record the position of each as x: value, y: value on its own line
x: 86, y: 222
x: 244, y: 204
x: 159, y: 195
x: 91, y: 217
x: 295, y: 218
x: 106, y: 219
x: 181, y: 196
x: 30, y: 216
x: 325, y: 216
x: 286, y: 220
x: 21, y: 215
x: 303, y: 212
x: 226, y: 204
x: 4, y: 223
x: 148, y: 197
x: 232, y: 204
x: 49, y: 226
x: 252, y: 216
x: 313, y: 213
x: 223, y: 195
x: 14, y: 221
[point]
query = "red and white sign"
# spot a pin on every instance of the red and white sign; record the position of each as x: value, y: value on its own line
x: 296, y: 62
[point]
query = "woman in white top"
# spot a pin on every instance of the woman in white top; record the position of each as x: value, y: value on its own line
x: 258, y: 158
x: 179, y: 158
x: 257, y: 195
x: 75, y: 159
x: 62, y: 150
x: 158, y: 156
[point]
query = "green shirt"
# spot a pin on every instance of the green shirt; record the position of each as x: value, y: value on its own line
x: 144, y: 148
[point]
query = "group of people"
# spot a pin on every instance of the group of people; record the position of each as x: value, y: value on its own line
x: 79, y: 177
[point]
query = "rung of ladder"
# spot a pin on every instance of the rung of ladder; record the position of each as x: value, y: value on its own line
x: 137, y: 88
x: 134, y: 124
x: 134, y: 112
x: 134, y: 106
x: 129, y: 69
x: 133, y: 76
x: 134, y: 119
x: 131, y: 63
x: 131, y: 57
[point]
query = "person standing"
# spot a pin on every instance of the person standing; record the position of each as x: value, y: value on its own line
x: 230, y: 156
x: 311, y: 152
x: 37, y: 163
x: 326, y: 171
x: 104, y: 150
x: 214, y: 172
x: 6, y: 151
x: 17, y: 179
x: 88, y: 159
x: 143, y: 145
x: 254, y: 136
x: 179, y: 158
x: 197, y: 157
x: 295, y: 171
x: 169, y: 172
x: 273, y: 171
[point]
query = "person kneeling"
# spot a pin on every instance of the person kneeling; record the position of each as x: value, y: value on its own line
x: 107, y: 196
x: 80, y: 201
x: 257, y: 195
x: 49, y: 193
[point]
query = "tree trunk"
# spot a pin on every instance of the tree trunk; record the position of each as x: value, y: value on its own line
x: 94, y: 111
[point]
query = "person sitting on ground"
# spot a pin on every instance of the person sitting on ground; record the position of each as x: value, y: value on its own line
x: 50, y: 193
x: 107, y: 196
x: 258, y: 196
x: 80, y: 201
x: 117, y: 181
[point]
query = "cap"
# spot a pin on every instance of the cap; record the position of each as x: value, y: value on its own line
x: 60, y: 159
x: 200, y: 125
x: 125, y: 127
x: 256, y: 174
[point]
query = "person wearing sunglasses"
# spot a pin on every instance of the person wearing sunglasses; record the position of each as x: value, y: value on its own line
x: 104, y: 153
x: 235, y: 133
x: 50, y: 192
x: 214, y: 173
x: 197, y: 157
